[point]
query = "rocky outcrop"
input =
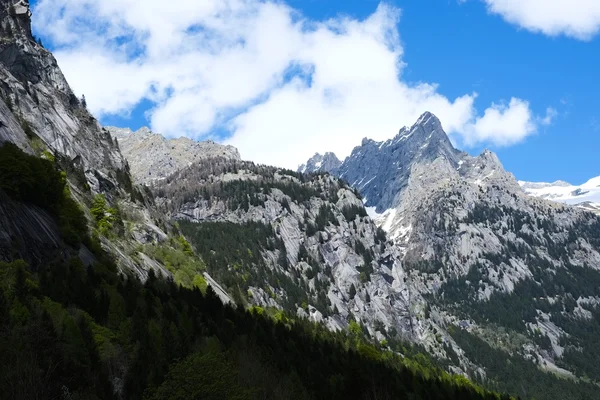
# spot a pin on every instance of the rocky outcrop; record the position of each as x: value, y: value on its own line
x: 27, y: 232
x: 381, y: 170
x: 320, y: 163
x: 153, y: 157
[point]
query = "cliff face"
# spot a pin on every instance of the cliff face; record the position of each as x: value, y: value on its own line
x: 320, y: 163
x: 41, y: 112
x: 319, y: 254
x: 26, y: 232
x: 41, y: 115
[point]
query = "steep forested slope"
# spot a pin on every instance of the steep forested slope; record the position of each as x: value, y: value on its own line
x: 72, y: 331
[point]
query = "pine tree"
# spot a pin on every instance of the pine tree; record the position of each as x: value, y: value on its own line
x: 20, y: 287
x: 83, y: 101
x: 3, y: 309
x: 9, y: 103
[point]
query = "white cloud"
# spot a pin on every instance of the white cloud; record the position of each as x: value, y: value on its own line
x: 502, y: 124
x: 551, y: 114
x: 575, y: 18
x: 283, y: 85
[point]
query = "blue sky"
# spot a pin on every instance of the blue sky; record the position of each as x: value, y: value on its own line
x: 464, y: 47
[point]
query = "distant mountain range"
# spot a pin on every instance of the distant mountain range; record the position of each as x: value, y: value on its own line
x: 586, y: 196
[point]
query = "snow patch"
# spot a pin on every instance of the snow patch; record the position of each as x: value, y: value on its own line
x: 369, y: 181
x: 564, y: 192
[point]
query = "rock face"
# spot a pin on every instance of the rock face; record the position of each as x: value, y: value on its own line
x: 153, y: 157
x: 471, y: 241
x: 318, y: 163
x: 41, y: 115
x: 38, y: 104
x: 26, y: 230
x: 328, y: 262
x: 381, y: 170
x: 465, y: 248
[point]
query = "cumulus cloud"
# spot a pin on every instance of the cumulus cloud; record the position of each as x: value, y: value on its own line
x: 574, y: 18
x: 281, y: 85
x: 502, y: 124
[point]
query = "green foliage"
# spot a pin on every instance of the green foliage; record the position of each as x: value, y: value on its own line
x: 108, y: 219
x: 202, y: 376
x: 9, y: 102
x: 516, y: 375
x: 26, y: 126
x: 324, y: 217
x: 514, y: 310
x: 200, y: 283
x: 355, y: 329
x: 30, y: 179
x: 179, y: 258
x: 124, y: 180
x: 90, y: 326
x: 86, y: 327
x: 185, y: 246
x: 238, y: 194
x: 352, y: 292
x: 37, y: 181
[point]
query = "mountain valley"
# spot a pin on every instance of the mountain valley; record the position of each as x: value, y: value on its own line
x: 138, y: 267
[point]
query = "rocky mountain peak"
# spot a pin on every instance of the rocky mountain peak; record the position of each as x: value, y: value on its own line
x: 39, y: 112
x: 380, y: 170
x: 320, y: 163
x: 16, y: 17
x: 153, y: 157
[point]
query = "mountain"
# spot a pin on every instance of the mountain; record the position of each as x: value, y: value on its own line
x: 102, y: 296
x: 514, y: 271
x: 312, y: 249
x: 586, y: 196
x: 154, y: 157
x: 326, y: 162
x: 220, y: 277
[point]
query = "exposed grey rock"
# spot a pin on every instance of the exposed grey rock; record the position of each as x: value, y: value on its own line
x: 320, y: 163
x: 221, y: 293
x: 26, y: 232
x: 39, y: 94
x: 40, y: 114
x: 152, y: 157
x: 380, y: 170
x: 383, y: 299
x: 452, y: 215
